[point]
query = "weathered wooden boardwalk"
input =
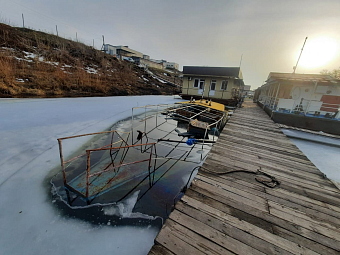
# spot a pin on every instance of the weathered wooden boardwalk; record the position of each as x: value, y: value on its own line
x: 232, y: 213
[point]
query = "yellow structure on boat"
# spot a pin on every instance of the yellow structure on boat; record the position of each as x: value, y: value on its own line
x: 206, y: 103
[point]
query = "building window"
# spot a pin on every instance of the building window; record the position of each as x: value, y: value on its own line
x: 201, y: 86
x: 199, y: 83
x: 196, y: 83
x: 213, y: 85
x: 224, y: 85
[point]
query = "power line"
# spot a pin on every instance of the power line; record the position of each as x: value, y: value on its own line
x: 51, y: 18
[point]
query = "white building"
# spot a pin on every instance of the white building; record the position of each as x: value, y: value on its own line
x: 171, y: 65
x: 308, y: 94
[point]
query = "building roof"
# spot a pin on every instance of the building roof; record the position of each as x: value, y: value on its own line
x: 126, y: 49
x: 213, y: 71
x: 246, y: 87
x: 300, y: 77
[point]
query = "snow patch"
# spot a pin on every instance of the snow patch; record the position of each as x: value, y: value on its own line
x: 324, y: 157
x: 22, y: 59
x: 159, y: 79
x: 19, y: 80
x: 123, y: 209
x: 91, y: 70
x: 52, y: 63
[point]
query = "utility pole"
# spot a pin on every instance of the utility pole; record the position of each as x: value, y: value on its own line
x: 103, y: 48
x: 23, y: 20
x: 56, y: 28
x: 93, y: 43
x: 294, y: 67
x: 76, y: 36
x: 241, y: 60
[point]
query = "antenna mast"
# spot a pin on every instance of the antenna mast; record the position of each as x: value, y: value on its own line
x: 241, y: 60
x: 294, y: 68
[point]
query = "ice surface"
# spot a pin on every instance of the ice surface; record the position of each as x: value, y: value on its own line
x: 29, y: 224
x: 325, y: 157
x: 124, y: 209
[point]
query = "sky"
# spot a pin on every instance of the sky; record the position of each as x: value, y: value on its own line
x: 268, y: 35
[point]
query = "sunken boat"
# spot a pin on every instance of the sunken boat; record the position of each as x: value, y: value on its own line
x: 153, y: 153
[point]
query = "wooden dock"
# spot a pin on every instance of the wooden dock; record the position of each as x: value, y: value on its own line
x: 233, y: 213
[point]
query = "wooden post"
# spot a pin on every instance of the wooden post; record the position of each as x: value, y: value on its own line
x: 277, y: 92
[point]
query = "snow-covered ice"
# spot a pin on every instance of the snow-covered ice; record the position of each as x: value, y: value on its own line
x: 29, y: 224
x: 324, y: 157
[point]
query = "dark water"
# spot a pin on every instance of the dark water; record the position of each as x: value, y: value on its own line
x: 130, y: 196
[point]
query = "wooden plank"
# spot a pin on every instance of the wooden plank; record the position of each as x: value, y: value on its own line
x: 315, y: 211
x: 260, y: 152
x: 292, y: 151
x: 304, y: 198
x: 303, y: 220
x: 242, y: 216
x: 245, y: 226
x: 159, y: 250
x: 212, y: 234
x: 305, y: 241
x: 174, y: 244
x: 243, y: 198
x: 241, y: 133
x: 261, y: 215
x: 223, y: 226
x: 265, y: 158
x: 258, y: 125
x: 199, y: 242
x: 252, y: 129
x: 232, y: 189
x: 229, y: 164
x: 317, y: 175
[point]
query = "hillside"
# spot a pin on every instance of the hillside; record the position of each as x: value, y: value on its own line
x: 37, y: 64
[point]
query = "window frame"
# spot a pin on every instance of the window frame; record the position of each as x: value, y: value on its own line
x: 198, y: 83
x: 213, y: 81
x: 226, y: 85
x: 201, y: 82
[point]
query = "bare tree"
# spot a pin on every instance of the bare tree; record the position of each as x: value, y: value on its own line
x: 335, y: 73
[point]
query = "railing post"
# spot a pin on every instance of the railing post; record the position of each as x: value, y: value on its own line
x: 150, y: 184
x: 62, y: 160
x: 132, y: 126
x: 88, y: 173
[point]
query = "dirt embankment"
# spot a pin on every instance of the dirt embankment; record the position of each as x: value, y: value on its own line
x: 37, y: 64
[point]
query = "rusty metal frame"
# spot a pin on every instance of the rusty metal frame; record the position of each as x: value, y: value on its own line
x: 77, y: 136
x: 111, y: 165
x: 88, y: 175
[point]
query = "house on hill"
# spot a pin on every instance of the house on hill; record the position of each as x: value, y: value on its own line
x: 221, y: 84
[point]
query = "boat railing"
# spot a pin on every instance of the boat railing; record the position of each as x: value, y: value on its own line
x: 118, y: 144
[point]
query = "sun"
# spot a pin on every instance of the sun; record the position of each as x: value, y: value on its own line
x: 319, y: 52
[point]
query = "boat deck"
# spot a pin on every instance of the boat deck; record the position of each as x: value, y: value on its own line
x: 227, y: 211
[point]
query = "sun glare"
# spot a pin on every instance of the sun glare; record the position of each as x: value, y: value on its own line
x: 319, y: 52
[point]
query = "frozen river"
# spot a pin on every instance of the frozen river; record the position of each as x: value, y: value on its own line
x: 322, y: 151
x: 29, y: 129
